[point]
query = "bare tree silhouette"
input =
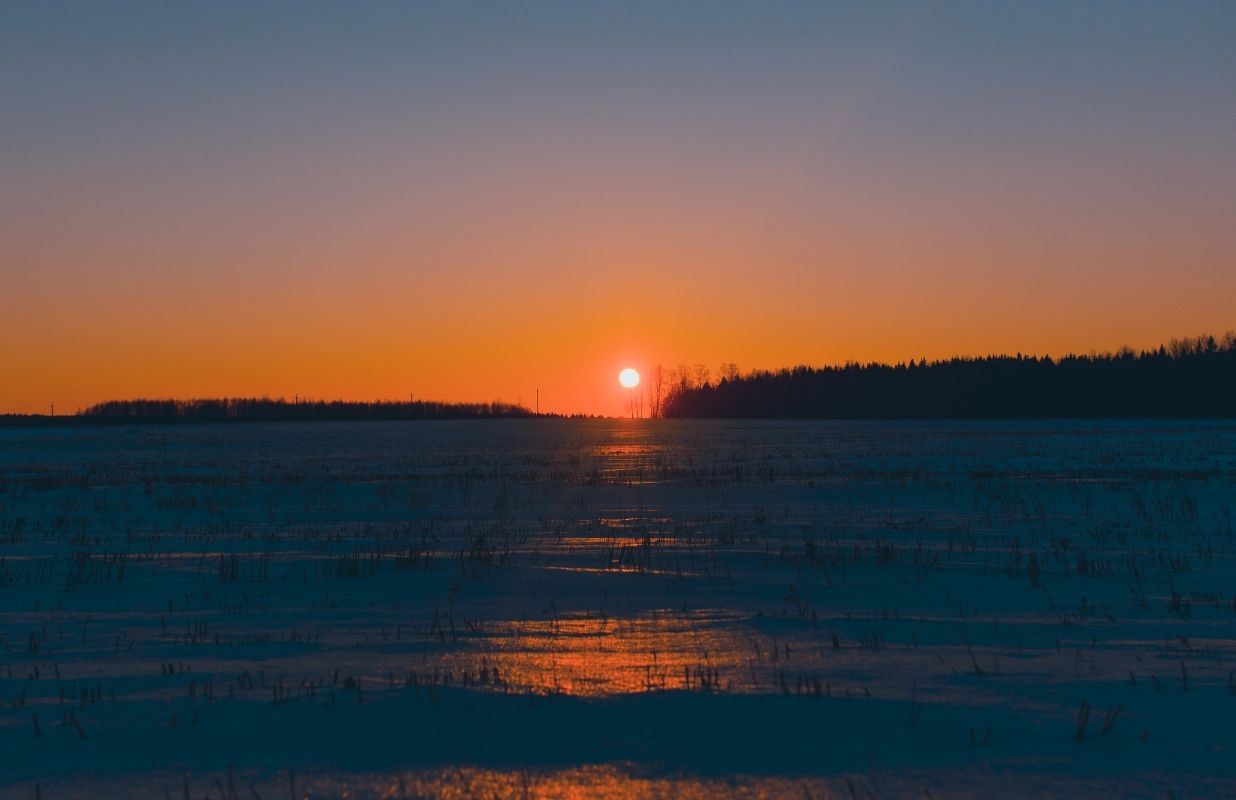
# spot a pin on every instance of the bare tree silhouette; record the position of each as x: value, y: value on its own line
x: 657, y: 393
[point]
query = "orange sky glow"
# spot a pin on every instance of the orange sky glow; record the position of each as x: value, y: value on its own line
x: 462, y: 222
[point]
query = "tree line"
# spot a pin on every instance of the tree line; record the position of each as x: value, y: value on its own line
x: 264, y: 409
x: 1191, y: 377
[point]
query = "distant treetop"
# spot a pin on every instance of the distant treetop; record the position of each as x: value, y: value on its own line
x: 1192, y: 377
x: 250, y: 409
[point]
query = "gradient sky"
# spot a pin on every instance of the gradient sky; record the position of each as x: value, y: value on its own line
x: 469, y: 201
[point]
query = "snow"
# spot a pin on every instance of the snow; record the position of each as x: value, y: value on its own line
x: 621, y: 608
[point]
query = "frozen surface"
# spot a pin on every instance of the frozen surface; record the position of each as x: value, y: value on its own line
x: 550, y: 608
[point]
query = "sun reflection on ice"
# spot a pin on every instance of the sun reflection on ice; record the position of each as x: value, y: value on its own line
x: 593, y: 656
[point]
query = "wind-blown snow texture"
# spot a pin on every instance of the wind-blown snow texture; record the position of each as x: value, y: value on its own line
x: 556, y: 608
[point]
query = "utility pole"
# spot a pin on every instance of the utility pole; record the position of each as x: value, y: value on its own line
x: 53, y: 409
x: 538, y: 401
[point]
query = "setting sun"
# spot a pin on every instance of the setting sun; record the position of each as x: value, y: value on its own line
x: 309, y: 327
x: 629, y: 378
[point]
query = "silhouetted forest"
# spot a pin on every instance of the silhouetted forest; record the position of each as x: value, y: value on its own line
x: 1193, y: 377
x: 251, y: 409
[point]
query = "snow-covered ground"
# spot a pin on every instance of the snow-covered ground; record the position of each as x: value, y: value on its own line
x: 551, y: 608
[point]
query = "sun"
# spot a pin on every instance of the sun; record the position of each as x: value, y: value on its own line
x: 629, y: 378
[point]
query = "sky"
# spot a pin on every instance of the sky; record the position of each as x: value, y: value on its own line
x: 474, y: 201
